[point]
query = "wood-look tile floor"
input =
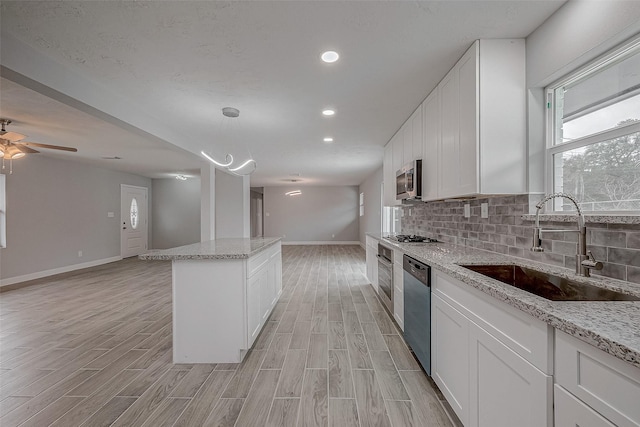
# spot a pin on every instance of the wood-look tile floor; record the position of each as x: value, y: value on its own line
x: 93, y: 348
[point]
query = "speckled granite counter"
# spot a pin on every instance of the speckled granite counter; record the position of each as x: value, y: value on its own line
x: 214, y: 249
x: 613, y: 327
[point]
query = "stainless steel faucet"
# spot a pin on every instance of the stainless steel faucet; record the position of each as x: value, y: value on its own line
x: 585, y: 262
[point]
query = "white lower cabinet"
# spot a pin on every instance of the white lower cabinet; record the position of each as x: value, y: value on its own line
x: 450, y: 355
x: 607, y: 385
x: 372, y: 261
x: 398, y: 289
x: 254, y: 319
x: 481, y: 370
x: 264, y: 286
x: 505, y: 389
x: 571, y: 412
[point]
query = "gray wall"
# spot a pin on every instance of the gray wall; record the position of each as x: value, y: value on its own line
x: 175, y: 210
x: 314, y: 216
x: 56, y: 208
x: 576, y: 34
x: 371, y: 221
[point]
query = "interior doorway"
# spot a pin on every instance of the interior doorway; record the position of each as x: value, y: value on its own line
x: 256, y: 207
x: 133, y: 220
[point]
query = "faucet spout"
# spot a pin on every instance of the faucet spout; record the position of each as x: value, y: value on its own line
x: 584, y: 262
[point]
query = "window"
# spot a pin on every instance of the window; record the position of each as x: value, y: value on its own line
x: 593, y: 134
x: 361, y: 204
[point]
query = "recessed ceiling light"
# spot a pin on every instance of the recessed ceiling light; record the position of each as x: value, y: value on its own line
x: 181, y: 177
x: 328, y: 112
x: 328, y: 139
x: 330, y: 56
x: 293, y: 193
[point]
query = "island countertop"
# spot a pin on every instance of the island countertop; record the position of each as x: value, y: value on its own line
x: 238, y: 248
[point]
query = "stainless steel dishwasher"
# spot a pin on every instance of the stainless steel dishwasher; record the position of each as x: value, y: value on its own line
x: 417, y: 309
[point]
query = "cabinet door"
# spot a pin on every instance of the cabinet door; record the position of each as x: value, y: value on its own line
x: 450, y: 355
x: 397, y: 144
x: 431, y: 149
x: 468, y: 148
x: 389, y: 176
x: 398, y: 290
x: 371, y: 263
x: 268, y: 293
x: 505, y: 389
x: 449, y: 135
x: 254, y: 318
x: 416, y: 125
x: 407, y: 142
x: 571, y: 412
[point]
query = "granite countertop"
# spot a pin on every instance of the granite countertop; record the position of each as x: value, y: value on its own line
x: 214, y: 249
x: 612, y: 326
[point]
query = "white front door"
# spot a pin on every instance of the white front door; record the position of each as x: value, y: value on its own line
x: 133, y: 220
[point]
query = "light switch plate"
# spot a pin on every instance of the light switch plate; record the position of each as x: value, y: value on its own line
x: 110, y: 215
x: 467, y: 210
x: 484, y: 210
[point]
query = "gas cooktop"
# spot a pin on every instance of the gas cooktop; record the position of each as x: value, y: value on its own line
x: 412, y: 238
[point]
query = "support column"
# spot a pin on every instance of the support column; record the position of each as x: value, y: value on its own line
x: 207, y: 202
x: 232, y: 205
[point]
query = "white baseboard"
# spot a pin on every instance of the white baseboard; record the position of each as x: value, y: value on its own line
x: 323, y: 242
x: 54, y: 271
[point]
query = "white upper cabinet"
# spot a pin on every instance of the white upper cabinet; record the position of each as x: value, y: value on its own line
x: 389, y: 177
x: 474, y: 142
x: 405, y: 146
x: 430, y: 157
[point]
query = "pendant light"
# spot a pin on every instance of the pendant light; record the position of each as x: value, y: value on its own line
x: 242, y: 169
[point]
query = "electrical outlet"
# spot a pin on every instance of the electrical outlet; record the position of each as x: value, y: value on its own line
x: 333, y: 236
x: 484, y: 210
x: 467, y: 210
x: 110, y: 215
x: 79, y: 254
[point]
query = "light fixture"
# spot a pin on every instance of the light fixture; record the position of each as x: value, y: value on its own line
x: 328, y: 112
x: 293, y: 193
x: 181, y: 177
x: 328, y: 139
x: 228, y: 160
x: 330, y: 56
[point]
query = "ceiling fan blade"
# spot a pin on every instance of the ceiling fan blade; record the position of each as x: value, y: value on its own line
x: 25, y: 149
x: 12, y: 136
x: 52, y: 147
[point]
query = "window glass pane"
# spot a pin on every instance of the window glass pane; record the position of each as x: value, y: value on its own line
x: 133, y: 213
x: 599, y: 101
x: 602, y: 176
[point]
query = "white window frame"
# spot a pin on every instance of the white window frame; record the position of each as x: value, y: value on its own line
x: 550, y: 121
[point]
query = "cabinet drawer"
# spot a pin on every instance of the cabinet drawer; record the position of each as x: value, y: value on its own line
x: 571, y: 412
x: 605, y: 383
x: 527, y: 336
x: 255, y: 263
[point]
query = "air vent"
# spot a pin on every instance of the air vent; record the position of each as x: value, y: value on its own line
x: 112, y: 158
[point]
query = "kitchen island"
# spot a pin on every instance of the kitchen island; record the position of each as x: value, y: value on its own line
x: 223, y: 292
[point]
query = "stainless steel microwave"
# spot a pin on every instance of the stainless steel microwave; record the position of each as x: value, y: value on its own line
x: 409, y: 181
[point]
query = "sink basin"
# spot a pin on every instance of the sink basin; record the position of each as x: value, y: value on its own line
x: 549, y: 286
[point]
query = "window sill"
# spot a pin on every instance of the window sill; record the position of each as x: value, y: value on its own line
x: 588, y: 218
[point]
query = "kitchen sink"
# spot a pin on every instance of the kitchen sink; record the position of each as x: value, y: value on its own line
x: 549, y: 286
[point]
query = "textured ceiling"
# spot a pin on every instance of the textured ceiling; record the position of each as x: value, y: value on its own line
x: 180, y: 62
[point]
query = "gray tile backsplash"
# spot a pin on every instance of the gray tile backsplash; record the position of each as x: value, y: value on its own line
x: 616, y: 245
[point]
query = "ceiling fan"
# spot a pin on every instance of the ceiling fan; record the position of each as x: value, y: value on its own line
x: 13, y: 147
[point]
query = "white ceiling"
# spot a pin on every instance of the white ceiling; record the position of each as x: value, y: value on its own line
x: 182, y: 61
